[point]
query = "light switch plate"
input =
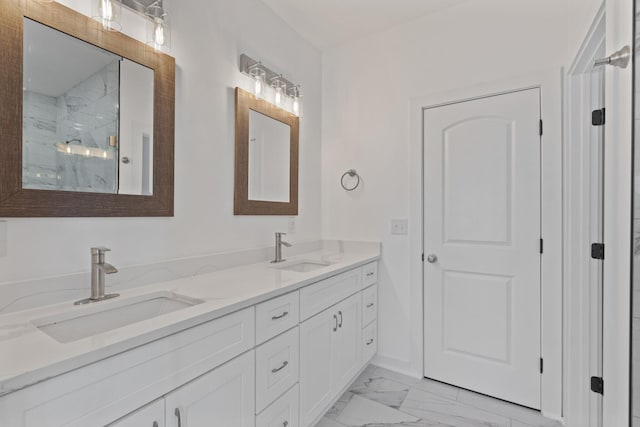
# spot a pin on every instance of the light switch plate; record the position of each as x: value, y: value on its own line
x: 400, y: 226
x: 292, y: 225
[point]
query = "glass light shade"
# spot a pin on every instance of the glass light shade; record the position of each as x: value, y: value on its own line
x: 296, y: 106
x: 279, y: 96
x: 107, y: 12
x: 258, y: 85
x: 159, y: 33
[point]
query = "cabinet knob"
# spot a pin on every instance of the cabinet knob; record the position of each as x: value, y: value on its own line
x: 370, y: 341
x: 155, y: 424
x: 432, y: 258
x: 340, y: 324
x: 285, y: 424
x: 335, y: 326
x: 370, y: 305
x: 179, y: 415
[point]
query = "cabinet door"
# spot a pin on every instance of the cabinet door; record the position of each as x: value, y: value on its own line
x: 151, y: 415
x: 316, y: 340
x: 222, y: 397
x: 346, y: 355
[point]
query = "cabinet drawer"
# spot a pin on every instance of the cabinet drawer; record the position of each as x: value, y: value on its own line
x: 369, y: 342
x: 283, y: 412
x: 324, y: 294
x: 277, y: 367
x: 275, y: 316
x: 369, y: 274
x: 369, y: 305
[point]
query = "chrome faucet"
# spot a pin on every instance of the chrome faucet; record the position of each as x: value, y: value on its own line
x: 99, y: 269
x: 279, y: 243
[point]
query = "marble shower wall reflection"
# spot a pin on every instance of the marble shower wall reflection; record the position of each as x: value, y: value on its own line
x: 66, y: 139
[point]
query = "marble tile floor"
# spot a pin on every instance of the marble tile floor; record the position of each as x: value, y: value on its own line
x: 382, y: 398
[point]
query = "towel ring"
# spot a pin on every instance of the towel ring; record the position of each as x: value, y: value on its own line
x: 351, y: 173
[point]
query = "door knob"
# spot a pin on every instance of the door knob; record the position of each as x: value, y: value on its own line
x: 619, y: 59
x: 432, y: 258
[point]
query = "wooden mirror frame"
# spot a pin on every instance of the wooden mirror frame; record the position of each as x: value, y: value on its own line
x: 18, y: 202
x: 245, y: 102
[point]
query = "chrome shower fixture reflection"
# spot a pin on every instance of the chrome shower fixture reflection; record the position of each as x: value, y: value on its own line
x: 271, y: 86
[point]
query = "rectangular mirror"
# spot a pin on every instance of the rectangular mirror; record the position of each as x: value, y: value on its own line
x: 266, y: 173
x: 89, y: 117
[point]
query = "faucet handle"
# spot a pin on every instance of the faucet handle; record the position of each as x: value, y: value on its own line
x: 100, y: 250
x: 280, y: 234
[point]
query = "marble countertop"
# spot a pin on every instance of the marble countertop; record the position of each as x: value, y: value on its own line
x: 28, y: 355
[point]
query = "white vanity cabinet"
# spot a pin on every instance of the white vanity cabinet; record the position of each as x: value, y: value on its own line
x: 281, y: 362
x: 330, y: 355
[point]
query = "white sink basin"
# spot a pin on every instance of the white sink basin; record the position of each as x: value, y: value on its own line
x: 97, y: 318
x: 304, y: 266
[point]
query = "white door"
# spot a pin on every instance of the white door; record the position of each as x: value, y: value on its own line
x: 347, y: 342
x: 222, y: 397
x: 482, y: 245
x: 316, y: 341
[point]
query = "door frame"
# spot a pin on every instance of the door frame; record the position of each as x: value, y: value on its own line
x: 550, y: 84
x: 578, y: 397
x: 618, y: 217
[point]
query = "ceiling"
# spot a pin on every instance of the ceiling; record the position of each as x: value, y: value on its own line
x: 55, y: 62
x: 327, y: 23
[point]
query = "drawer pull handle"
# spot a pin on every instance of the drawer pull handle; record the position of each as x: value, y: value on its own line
x: 274, y: 370
x: 370, y: 305
x: 155, y: 424
x: 280, y: 316
x: 370, y: 341
x: 179, y: 415
x: 340, y: 324
x: 335, y: 327
x: 371, y: 273
x: 285, y: 424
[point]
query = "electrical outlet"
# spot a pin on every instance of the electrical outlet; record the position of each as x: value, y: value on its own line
x: 292, y: 225
x: 400, y: 226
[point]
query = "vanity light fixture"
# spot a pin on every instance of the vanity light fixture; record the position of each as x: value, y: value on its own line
x: 158, y: 28
x: 107, y: 12
x: 282, y: 92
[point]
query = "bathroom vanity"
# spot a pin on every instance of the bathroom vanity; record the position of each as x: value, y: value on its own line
x: 260, y: 345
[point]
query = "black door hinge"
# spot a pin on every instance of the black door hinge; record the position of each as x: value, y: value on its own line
x: 597, y: 251
x: 598, y: 117
x: 541, y: 246
x: 541, y: 365
x: 541, y: 127
x: 597, y: 385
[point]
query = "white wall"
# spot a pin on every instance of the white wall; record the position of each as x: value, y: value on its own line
x: 580, y: 18
x: 367, y: 88
x: 207, y: 39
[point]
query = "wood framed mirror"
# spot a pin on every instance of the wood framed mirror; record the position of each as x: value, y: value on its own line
x: 266, y: 158
x: 33, y: 178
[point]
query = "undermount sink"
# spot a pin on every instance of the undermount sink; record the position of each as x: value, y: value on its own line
x: 97, y: 318
x: 304, y: 266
